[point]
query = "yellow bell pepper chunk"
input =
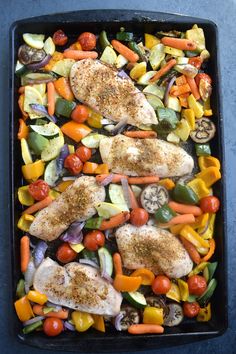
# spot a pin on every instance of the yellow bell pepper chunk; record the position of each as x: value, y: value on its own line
x: 189, y: 115
x: 204, y: 315
x: 153, y: 315
x: 193, y: 237
x: 168, y: 183
x: 53, y: 193
x: 33, y: 171
x: 209, y: 175
x: 77, y: 247
x: 199, y: 187
x: 23, y: 309
x: 200, y: 221
x: 195, y: 106
x: 150, y: 40
x: 174, y: 292
x: 208, y: 234
x: 198, y: 269
x: 175, y: 229
x: 208, y: 112
x: 99, y: 323
x: 24, y: 222
x: 102, y: 169
x: 138, y: 70
x: 207, y: 104
x: 25, y: 198
x: 37, y: 297
x: 82, y: 320
x: 94, y: 119
x: 71, y: 149
x: 183, y: 288
x: 208, y: 161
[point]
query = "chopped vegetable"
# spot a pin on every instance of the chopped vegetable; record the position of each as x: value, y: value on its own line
x: 125, y: 51
x: 23, y: 309
x: 164, y: 214
x: 145, y: 328
x: 154, y: 197
x: 126, y: 283
x: 153, y: 315
x: 75, y: 131
x: 184, y: 194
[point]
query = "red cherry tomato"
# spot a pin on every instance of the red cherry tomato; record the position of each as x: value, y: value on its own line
x: 65, y: 253
x: 93, y: 240
x: 139, y: 217
x: 73, y: 164
x: 202, y: 76
x: 87, y: 40
x: 210, y: 204
x: 59, y: 38
x: 191, y: 309
x: 52, y: 326
x: 197, y: 284
x: 161, y: 285
x: 83, y: 153
x: 80, y: 113
x: 39, y: 189
x: 195, y: 61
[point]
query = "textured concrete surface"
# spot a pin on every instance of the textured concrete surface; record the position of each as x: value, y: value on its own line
x: 223, y: 14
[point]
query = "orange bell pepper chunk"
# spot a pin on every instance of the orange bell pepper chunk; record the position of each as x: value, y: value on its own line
x: 21, y: 105
x: 62, y: 86
x: 126, y: 283
x: 146, y: 275
x: 98, y: 323
x: 23, y: 130
x: 101, y: 169
x: 90, y: 167
x: 64, y: 185
x: 75, y: 131
x: 23, y: 309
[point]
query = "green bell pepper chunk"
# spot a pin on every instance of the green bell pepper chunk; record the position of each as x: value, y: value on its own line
x: 132, y: 45
x: 184, y: 194
x: 37, y: 142
x: 192, y: 298
x: 91, y: 255
x: 202, y: 300
x: 93, y: 223
x: 203, y: 149
x: 124, y: 36
x: 104, y: 42
x: 20, y: 289
x: 64, y: 107
x: 164, y: 214
x: 32, y: 327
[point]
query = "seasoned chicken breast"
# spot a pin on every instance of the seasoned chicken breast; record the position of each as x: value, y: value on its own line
x: 99, y: 86
x: 153, y: 248
x: 77, y: 286
x: 75, y: 204
x: 145, y: 157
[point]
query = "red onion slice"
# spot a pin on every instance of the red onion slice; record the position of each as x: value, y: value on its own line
x: 56, y: 307
x: 119, y: 127
x: 61, y: 158
x: 107, y: 180
x: 40, y: 64
x: 122, y: 74
x: 88, y: 262
x: 33, y: 320
x: 74, y: 233
x: 107, y: 277
x: 118, y: 319
x: 108, y: 234
x: 168, y: 87
x: 69, y: 326
x: 125, y: 187
x: 40, y: 109
x: 39, y: 252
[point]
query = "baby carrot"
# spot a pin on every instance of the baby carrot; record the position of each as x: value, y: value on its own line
x: 115, y: 179
x: 145, y: 328
x: 24, y: 252
x: 191, y: 249
x: 211, y: 251
x: 38, y: 206
x: 117, y: 263
x: 179, y: 43
x: 141, y: 134
x: 21, y: 89
x: 51, y: 98
x: 185, y: 209
x: 79, y: 54
x: 115, y: 221
x: 62, y: 314
x: 193, y: 87
x: 163, y: 70
x: 143, y: 180
x: 133, y: 200
x: 182, y: 219
x: 129, y: 54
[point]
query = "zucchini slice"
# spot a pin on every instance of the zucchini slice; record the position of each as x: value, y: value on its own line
x: 105, y: 260
x: 136, y: 299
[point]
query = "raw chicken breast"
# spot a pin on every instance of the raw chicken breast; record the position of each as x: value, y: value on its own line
x: 75, y: 204
x: 145, y: 157
x: 77, y: 286
x: 153, y: 248
x: 99, y: 86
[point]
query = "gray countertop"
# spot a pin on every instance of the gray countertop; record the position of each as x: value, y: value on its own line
x: 223, y: 14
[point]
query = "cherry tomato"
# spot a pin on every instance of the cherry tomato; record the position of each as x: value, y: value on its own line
x: 39, y: 189
x: 80, y: 113
x: 73, y: 164
x: 87, y: 40
x: 161, y: 285
x: 197, y: 284
x: 59, y: 38
x: 65, y: 253
x: 93, y: 240
x: 52, y: 326
x: 191, y: 309
x: 209, y: 204
x: 195, y: 61
x: 139, y: 217
x: 202, y: 76
x: 83, y: 153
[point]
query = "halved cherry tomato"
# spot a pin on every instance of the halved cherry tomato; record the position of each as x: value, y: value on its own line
x: 52, y: 326
x: 39, y: 189
x: 210, y: 204
x: 80, y: 113
x: 191, y: 309
x: 202, y: 76
x: 65, y: 253
x: 83, y: 153
x: 87, y: 40
x: 93, y: 240
x: 161, y: 285
x: 138, y: 217
x: 73, y: 164
x: 59, y: 38
x: 197, y: 285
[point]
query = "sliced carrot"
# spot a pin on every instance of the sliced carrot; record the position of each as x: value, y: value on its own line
x: 143, y: 180
x: 115, y: 179
x: 181, y: 80
x: 145, y: 328
x: 23, y: 130
x: 141, y: 134
x: 117, y: 263
x: 182, y: 219
x: 146, y: 275
x: 62, y: 314
x: 191, y: 249
x: 129, y: 54
x: 24, y: 253
x: 180, y: 90
x: 62, y: 86
x: 163, y: 70
x: 211, y: 251
x: 51, y: 98
x: 179, y: 43
x: 185, y: 209
x: 115, y: 221
x: 79, y: 54
x: 38, y: 206
x: 193, y: 87
x: 90, y: 167
x: 126, y: 283
x: 133, y: 200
